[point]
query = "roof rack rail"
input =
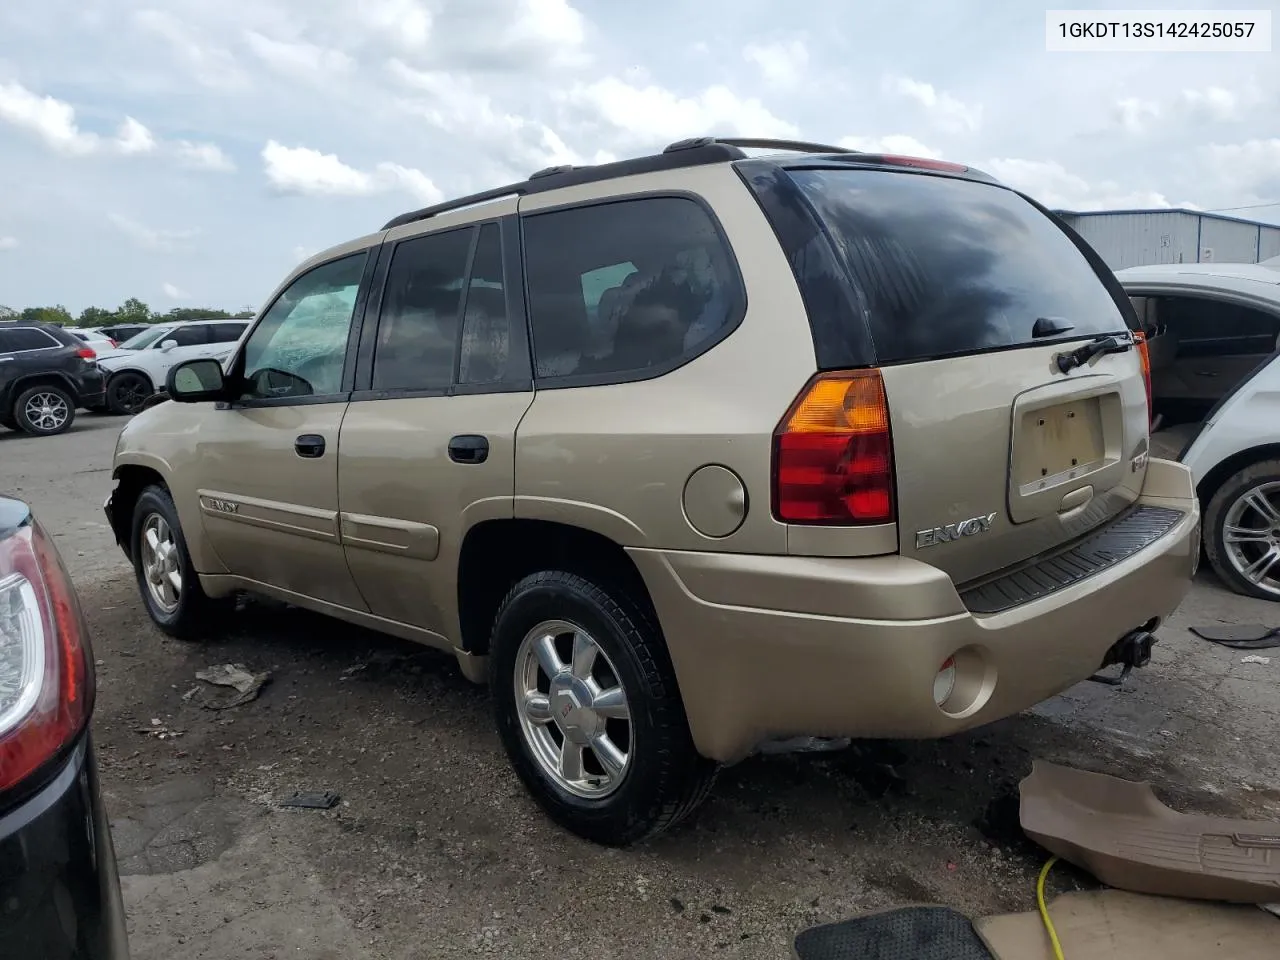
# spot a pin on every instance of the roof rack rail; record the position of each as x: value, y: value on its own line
x: 757, y: 143
x: 553, y: 178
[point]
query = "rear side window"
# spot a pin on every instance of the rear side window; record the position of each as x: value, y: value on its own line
x: 226, y: 332
x: 193, y: 336
x: 419, y: 323
x: 947, y: 266
x: 627, y: 289
x: 17, y: 339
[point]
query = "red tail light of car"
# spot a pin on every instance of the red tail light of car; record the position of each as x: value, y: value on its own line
x: 46, y: 667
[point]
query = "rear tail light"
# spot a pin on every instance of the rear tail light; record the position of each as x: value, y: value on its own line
x: 46, y: 670
x: 832, y: 455
x: 921, y: 163
x: 1144, y: 354
x: 86, y: 353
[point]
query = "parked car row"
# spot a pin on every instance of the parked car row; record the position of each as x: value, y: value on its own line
x: 686, y: 454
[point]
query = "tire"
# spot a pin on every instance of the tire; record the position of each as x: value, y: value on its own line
x: 7, y: 421
x: 1228, y: 509
x: 191, y: 613
x: 127, y: 392
x: 663, y: 779
x: 44, y: 411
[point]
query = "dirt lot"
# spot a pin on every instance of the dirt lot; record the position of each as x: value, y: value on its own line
x: 435, y: 850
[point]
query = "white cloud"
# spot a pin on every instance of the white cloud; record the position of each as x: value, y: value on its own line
x: 212, y: 66
x: 134, y: 137
x: 302, y: 170
x: 655, y: 115
x: 782, y: 64
x: 301, y: 60
x: 1214, y: 103
x: 1057, y: 188
x: 151, y: 238
x: 50, y: 119
x: 893, y: 143
x: 1136, y: 115
x: 1252, y: 165
x: 8, y: 243
x: 202, y: 156
x: 173, y: 292
x: 406, y: 23
x: 947, y: 112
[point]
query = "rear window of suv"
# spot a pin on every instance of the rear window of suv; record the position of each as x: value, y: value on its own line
x: 947, y: 266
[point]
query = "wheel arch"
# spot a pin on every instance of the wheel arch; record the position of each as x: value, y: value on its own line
x: 497, y: 553
x: 26, y: 381
x: 1228, y: 467
x: 113, y: 374
x: 131, y: 479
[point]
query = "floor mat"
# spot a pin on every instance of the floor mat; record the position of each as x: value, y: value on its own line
x: 1120, y: 832
x: 1115, y: 925
x: 912, y: 933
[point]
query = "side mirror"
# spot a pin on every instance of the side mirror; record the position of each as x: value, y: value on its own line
x: 196, y: 381
x: 168, y: 345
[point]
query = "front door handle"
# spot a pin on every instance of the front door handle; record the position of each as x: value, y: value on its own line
x: 309, y: 445
x: 469, y: 448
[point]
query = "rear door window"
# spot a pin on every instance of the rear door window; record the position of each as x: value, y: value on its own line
x: 946, y: 266
x: 18, y: 339
x: 629, y: 289
x: 226, y: 332
x: 193, y: 336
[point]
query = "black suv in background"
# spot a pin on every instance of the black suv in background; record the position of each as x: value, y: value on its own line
x: 45, y: 374
x: 59, y: 885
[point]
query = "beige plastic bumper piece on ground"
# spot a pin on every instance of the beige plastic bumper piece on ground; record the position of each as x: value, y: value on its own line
x: 1115, y: 925
x: 1120, y: 832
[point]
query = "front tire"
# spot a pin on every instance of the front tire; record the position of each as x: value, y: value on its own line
x: 167, y: 582
x: 588, y: 710
x: 1242, y: 531
x: 127, y: 393
x: 44, y: 411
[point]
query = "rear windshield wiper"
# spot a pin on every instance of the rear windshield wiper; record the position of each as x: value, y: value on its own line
x: 1082, y: 355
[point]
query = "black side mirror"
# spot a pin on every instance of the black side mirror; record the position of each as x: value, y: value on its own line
x: 196, y: 381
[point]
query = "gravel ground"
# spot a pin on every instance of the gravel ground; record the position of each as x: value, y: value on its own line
x: 435, y: 850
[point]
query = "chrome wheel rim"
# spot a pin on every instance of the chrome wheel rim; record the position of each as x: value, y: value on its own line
x: 1251, y: 535
x: 160, y: 566
x: 46, y: 411
x: 573, y: 709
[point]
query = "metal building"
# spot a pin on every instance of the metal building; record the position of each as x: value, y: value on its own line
x: 1132, y: 238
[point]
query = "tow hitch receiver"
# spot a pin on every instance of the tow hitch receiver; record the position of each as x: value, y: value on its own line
x: 1131, y: 650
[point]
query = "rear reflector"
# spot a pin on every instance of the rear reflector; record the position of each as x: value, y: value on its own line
x: 832, y: 455
x: 1144, y: 353
x: 944, y: 682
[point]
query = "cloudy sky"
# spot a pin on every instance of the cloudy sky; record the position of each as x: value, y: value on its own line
x: 192, y: 151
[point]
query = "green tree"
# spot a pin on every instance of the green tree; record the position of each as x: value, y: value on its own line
x: 8, y: 313
x: 59, y: 315
x: 195, y: 313
x: 134, y: 310
x: 95, y: 317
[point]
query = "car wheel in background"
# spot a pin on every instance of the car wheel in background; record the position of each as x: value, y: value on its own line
x: 588, y: 710
x: 1242, y: 531
x: 44, y: 410
x: 127, y: 392
x: 166, y: 580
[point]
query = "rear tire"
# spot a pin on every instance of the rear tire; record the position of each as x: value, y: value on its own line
x: 1242, y: 530
x: 44, y: 411
x: 127, y: 392
x: 661, y: 778
x: 176, y: 604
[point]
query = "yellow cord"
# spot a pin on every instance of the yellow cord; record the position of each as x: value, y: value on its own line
x: 1044, y: 911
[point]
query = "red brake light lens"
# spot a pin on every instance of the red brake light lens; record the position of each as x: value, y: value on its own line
x: 86, y: 353
x: 833, y: 455
x: 922, y: 163
x: 46, y: 672
x: 1144, y: 354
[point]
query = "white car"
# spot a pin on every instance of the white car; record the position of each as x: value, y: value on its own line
x: 1214, y: 348
x: 93, y: 337
x: 136, y: 369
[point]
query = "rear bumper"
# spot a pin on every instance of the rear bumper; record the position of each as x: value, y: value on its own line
x: 92, y: 389
x: 59, y: 889
x: 767, y: 647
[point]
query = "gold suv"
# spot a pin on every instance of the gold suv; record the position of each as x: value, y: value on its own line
x: 684, y: 455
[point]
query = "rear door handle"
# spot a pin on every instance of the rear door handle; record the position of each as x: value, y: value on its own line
x: 469, y: 448
x: 309, y: 445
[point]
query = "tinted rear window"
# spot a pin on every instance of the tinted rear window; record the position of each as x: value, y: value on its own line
x: 948, y: 266
x: 16, y: 339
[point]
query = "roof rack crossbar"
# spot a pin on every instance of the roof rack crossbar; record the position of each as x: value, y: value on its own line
x: 758, y: 143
